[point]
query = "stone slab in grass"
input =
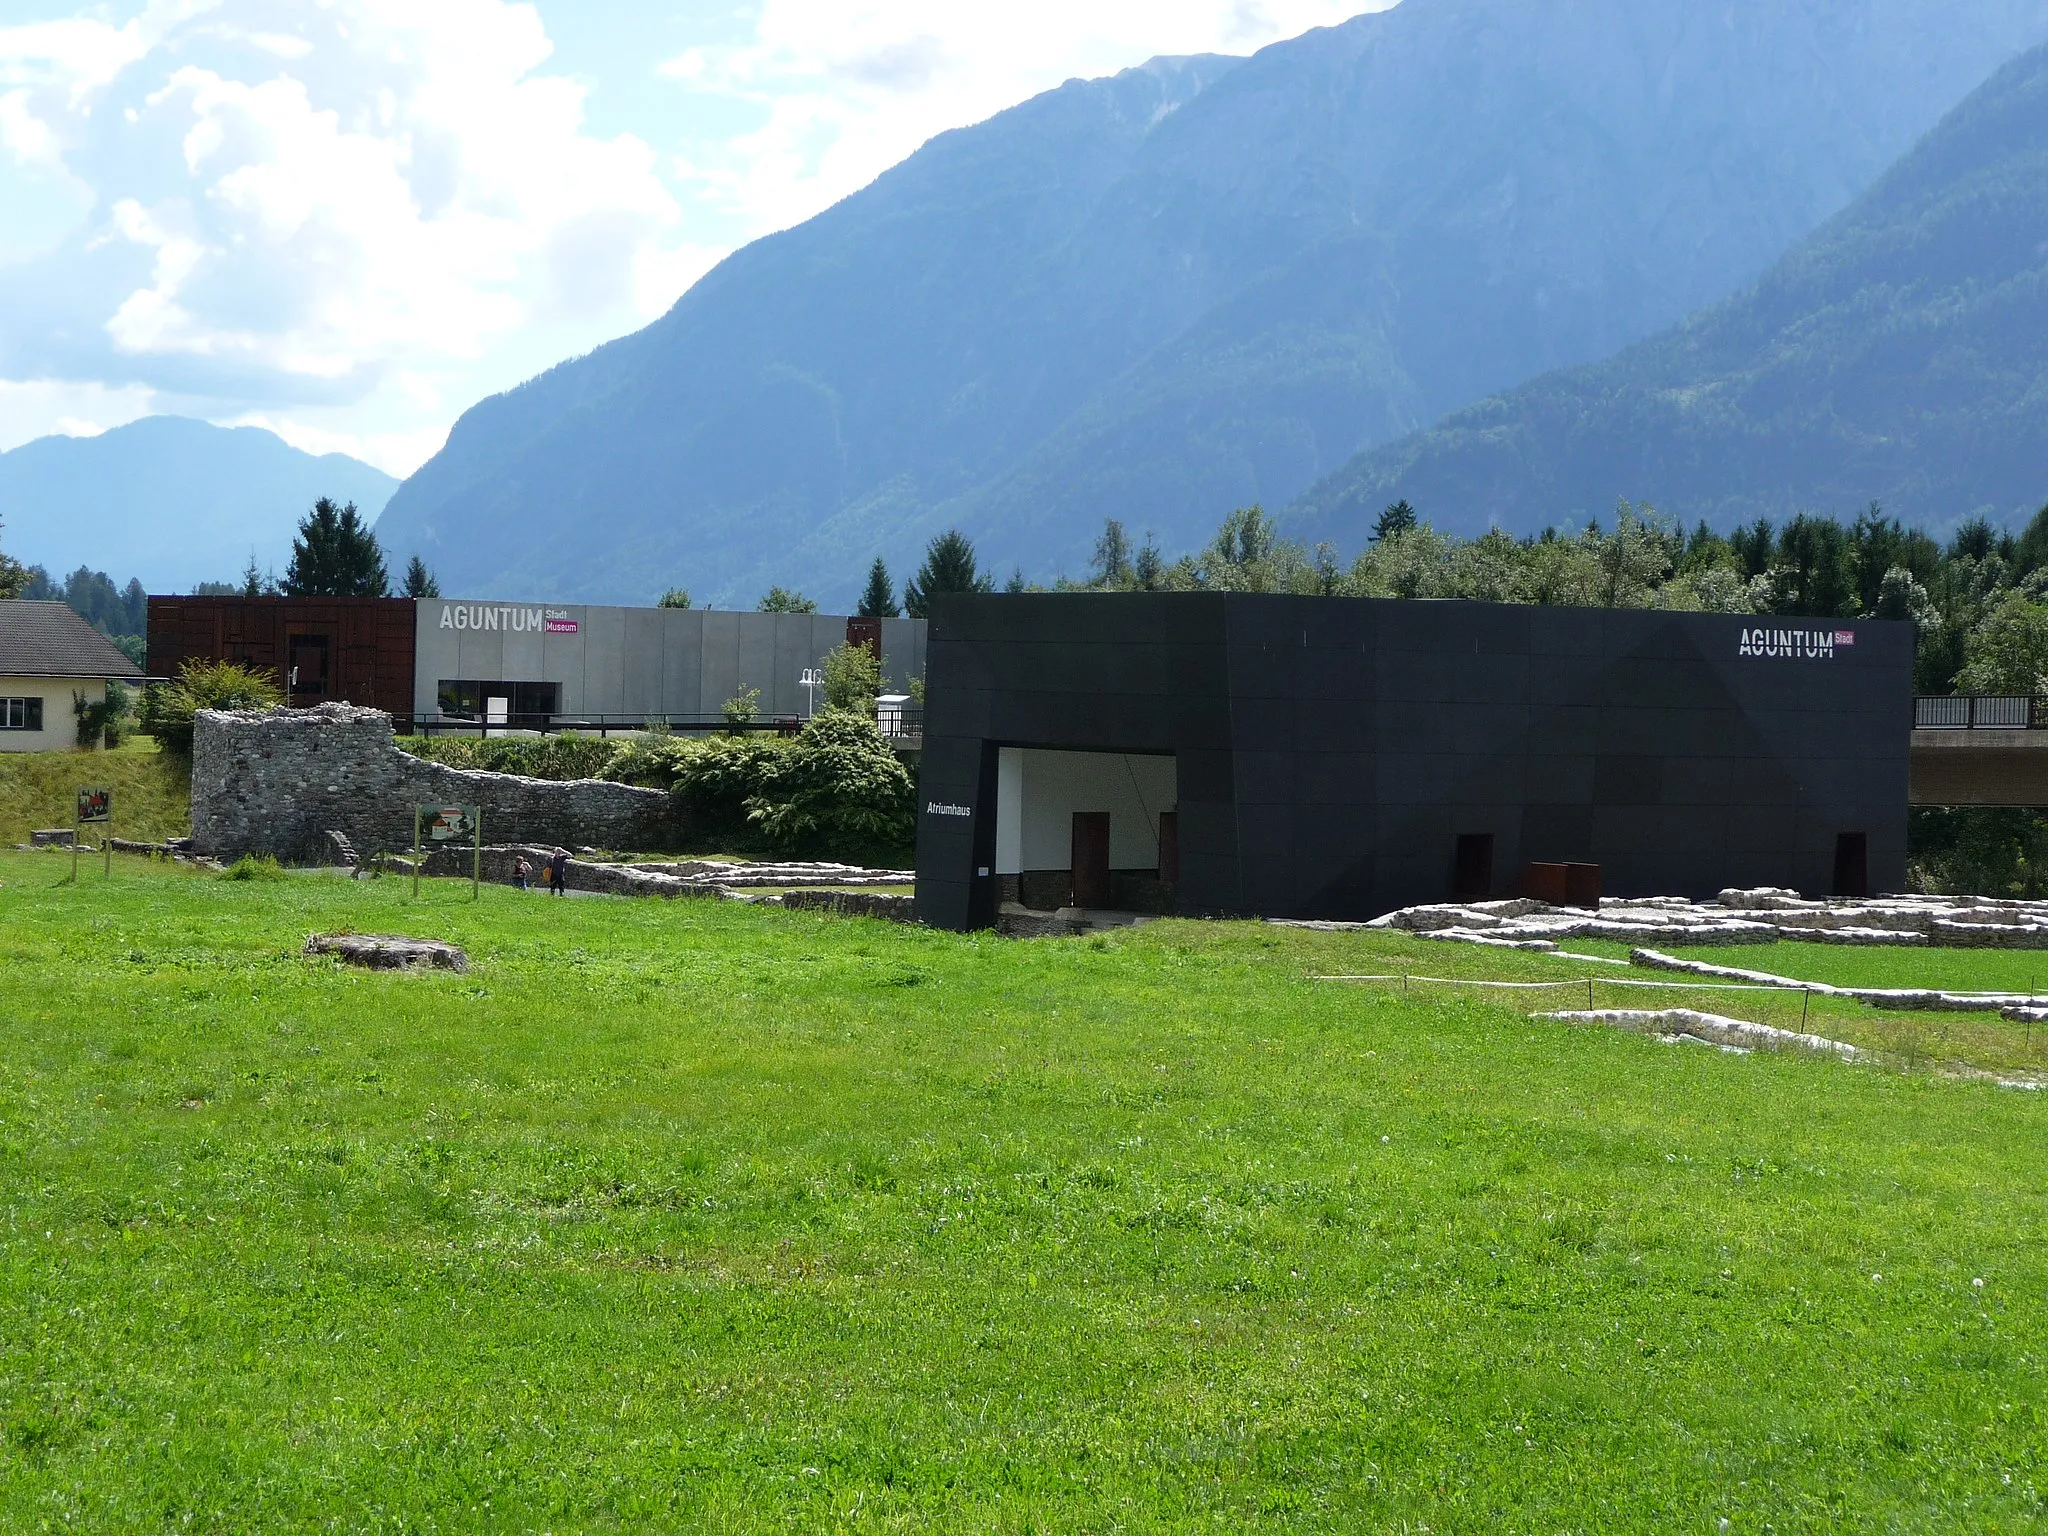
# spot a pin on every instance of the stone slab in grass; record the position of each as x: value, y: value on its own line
x: 386, y: 952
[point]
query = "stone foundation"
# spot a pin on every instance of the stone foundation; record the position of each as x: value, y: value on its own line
x: 278, y: 781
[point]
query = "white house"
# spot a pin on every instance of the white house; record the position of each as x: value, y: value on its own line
x: 49, y: 659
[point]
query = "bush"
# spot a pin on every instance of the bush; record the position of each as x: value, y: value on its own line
x: 560, y: 758
x: 168, y: 709
x: 716, y: 778
x: 741, y: 708
x: 1977, y: 851
x: 100, y: 720
x: 839, y: 788
x: 853, y: 676
x: 251, y: 866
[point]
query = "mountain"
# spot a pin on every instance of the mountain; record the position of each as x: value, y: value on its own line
x: 1899, y: 355
x: 1191, y: 286
x: 170, y: 500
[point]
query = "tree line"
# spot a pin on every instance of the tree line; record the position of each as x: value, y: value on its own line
x: 1979, y: 599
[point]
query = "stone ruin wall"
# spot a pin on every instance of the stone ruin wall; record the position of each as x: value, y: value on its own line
x: 277, y: 781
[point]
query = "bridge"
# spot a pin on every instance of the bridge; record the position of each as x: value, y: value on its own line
x: 1980, y: 750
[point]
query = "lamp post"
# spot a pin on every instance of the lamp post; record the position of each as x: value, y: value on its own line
x: 812, y: 680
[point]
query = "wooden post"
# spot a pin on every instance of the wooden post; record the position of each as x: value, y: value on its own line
x: 415, y: 853
x: 77, y: 827
x: 476, y: 867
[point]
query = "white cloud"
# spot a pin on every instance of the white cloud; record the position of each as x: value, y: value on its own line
x: 351, y: 219
x: 843, y: 89
x: 33, y: 408
x: 356, y: 208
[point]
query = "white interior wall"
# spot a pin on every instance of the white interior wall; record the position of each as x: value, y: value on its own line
x: 1038, y: 792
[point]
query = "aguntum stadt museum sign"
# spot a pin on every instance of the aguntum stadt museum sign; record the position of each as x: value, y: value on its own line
x: 1795, y: 644
x: 551, y: 621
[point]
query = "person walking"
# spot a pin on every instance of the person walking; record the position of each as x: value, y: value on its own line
x: 520, y: 871
x: 558, y: 872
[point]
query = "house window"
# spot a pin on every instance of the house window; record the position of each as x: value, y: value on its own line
x: 21, y: 714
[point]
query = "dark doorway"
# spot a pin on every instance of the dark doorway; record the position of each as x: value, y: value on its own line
x: 1091, y: 859
x: 1472, y: 875
x: 1169, y: 847
x: 1852, y: 864
x: 307, y: 677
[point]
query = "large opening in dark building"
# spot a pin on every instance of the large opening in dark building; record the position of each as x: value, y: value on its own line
x: 1472, y: 867
x: 1852, y: 864
x: 1086, y: 829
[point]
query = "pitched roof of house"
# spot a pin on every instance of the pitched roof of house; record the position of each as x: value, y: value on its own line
x: 39, y: 639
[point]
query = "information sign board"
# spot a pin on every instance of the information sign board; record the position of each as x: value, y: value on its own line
x: 95, y: 805
x: 447, y: 823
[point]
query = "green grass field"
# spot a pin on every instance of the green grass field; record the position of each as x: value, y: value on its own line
x: 694, y: 1216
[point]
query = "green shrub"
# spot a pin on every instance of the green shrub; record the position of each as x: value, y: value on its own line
x: 563, y: 757
x: 837, y: 788
x: 168, y: 709
x: 853, y: 676
x: 252, y: 866
x: 100, y: 720
x: 651, y: 760
x: 1977, y: 851
x: 742, y: 708
x: 716, y: 779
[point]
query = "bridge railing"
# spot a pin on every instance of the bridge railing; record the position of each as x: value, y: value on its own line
x: 1980, y: 712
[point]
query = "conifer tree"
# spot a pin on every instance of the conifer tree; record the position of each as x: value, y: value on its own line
x: 949, y: 566
x: 878, y: 599
x: 1113, y: 557
x: 419, y: 581
x: 1397, y: 518
x: 335, y: 555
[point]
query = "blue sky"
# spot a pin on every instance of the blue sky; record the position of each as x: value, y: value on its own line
x: 348, y: 220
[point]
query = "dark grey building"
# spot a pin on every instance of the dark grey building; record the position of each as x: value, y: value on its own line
x: 1338, y: 758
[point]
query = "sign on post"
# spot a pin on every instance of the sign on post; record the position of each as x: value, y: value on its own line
x: 95, y: 804
x: 449, y: 824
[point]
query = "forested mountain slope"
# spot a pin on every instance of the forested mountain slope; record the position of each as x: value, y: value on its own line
x: 170, y: 500
x: 1197, y: 284
x: 1899, y: 355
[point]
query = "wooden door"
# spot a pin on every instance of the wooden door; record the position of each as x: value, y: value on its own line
x: 1091, y: 859
x: 309, y: 665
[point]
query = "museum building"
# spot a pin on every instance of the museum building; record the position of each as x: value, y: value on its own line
x: 1239, y: 754
x: 438, y: 664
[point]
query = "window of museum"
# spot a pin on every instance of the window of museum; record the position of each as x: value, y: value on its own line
x: 468, y: 698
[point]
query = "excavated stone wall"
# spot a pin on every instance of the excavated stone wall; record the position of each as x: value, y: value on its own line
x: 278, y: 781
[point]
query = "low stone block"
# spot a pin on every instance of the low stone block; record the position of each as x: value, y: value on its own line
x: 385, y: 952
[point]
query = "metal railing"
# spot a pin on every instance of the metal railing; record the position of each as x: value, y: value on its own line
x: 1980, y: 712
x: 905, y: 725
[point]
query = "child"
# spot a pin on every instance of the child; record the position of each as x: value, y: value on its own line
x: 520, y: 871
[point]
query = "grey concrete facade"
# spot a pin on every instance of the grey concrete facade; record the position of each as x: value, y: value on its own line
x: 277, y: 781
x: 678, y: 663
